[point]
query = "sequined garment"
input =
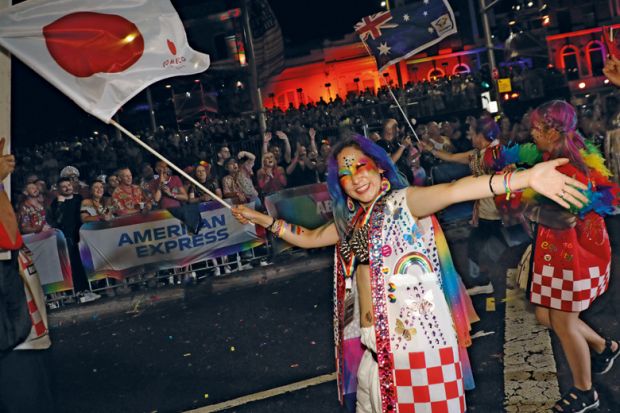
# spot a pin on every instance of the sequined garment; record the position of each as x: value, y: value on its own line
x: 422, y: 368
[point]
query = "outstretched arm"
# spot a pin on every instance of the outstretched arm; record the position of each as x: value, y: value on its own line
x: 293, y: 234
x: 543, y: 178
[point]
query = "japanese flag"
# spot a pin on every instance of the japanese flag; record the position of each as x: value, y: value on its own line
x: 100, y: 53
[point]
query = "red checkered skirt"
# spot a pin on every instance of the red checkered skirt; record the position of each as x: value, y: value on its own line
x: 571, y: 267
x: 430, y: 381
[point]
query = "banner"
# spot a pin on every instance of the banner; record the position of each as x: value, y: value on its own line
x: 142, y: 243
x: 51, y: 259
x: 100, y: 53
x: 267, y: 40
x: 309, y: 206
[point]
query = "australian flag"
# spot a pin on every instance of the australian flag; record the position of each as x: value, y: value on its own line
x: 399, y: 33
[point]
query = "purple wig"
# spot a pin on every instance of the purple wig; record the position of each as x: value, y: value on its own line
x: 488, y: 128
x: 342, y: 215
x: 562, y: 116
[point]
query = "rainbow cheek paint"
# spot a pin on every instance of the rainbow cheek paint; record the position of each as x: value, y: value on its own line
x: 353, y: 168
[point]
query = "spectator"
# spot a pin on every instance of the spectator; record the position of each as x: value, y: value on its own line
x: 44, y: 199
x: 300, y: 171
x: 128, y: 198
x: 31, y: 211
x: 147, y: 175
x: 98, y: 207
x: 112, y: 182
x: 167, y: 189
x: 230, y: 183
x: 435, y: 137
x: 246, y: 172
x: 269, y: 146
x: 73, y: 174
x: 219, y: 167
x: 202, y: 173
x: 271, y: 177
x: 65, y: 215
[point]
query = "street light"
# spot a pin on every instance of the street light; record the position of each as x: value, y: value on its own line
x: 329, y: 92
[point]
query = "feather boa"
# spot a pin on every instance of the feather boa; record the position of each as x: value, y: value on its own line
x: 603, y: 195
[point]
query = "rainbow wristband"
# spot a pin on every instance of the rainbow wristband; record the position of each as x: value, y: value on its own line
x: 506, y: 187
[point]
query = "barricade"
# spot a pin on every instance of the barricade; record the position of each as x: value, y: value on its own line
x: 156, y: 248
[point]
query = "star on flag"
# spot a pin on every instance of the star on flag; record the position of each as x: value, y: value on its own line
x: 384, y: 49
x: 406, y: 17
x: 425, y: 13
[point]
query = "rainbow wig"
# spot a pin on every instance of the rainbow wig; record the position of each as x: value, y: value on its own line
x: 342, y: 215
x: 562, y: 116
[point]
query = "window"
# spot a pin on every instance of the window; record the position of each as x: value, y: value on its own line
x: 595, y: 51
x: 570, y: 62
x: 435, y: 74
x: 460, y: 69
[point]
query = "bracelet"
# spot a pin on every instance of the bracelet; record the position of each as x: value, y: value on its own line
x: 270, y: 226
x: 278, y: 228
x: 491, y: 185
x: 506, y: 187
x: 1, y: 187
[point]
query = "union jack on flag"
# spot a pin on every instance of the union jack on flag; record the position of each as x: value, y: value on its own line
x: 372, y: 25
x: 394, y: 35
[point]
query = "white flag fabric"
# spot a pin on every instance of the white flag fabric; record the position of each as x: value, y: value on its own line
x: 100, y: 53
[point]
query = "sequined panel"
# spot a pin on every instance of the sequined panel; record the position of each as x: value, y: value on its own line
x: 382, y: 328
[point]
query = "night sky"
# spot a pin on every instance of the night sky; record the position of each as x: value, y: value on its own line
x: 41, y: 113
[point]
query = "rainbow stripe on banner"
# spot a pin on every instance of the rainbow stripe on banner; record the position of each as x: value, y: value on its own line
x: 308, y: 206
x: 144, y: 243
x: 51, y: 259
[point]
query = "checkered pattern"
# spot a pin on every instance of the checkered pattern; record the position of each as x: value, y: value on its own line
x: 558, y: 289
x: 28, y: 271
x: 430, y: 382
x: 35, y: 316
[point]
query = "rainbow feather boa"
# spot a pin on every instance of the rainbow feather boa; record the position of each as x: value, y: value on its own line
x: 603, y: 195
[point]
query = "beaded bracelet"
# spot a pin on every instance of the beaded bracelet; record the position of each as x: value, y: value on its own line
x: 277, y: 228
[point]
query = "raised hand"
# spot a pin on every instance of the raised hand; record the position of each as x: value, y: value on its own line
x: 312, y: 133
x: 267, y: 137
x: 281, y: 135
x: 7, y: 162
x: 612, y: 70
x: 562, y: 189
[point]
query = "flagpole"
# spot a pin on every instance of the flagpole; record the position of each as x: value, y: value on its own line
x: 415, y: 135
x: 172, y: 165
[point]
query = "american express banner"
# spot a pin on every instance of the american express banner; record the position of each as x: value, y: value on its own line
x: 140, y: 243
x: 51, y: 259
x: 308, y: 206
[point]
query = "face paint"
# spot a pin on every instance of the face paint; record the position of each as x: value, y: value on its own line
x: 353, y: 168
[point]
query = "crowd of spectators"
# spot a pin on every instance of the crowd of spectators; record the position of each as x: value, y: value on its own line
x: 64, y: 184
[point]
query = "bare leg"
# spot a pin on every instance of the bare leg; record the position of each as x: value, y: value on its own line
x: 575, y: 346
x: 595, y: 341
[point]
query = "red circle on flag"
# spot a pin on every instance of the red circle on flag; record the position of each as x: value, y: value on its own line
x: 86, y: 43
